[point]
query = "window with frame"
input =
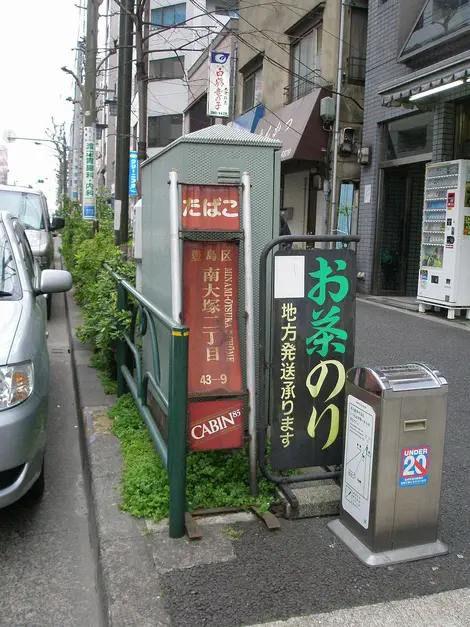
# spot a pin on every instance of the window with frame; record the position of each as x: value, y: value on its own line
x: 252, y: 89
x: 163, y: 129
x: 229, y: 8
x: 306, y: 62
x: 408, y: 136
x: 168, y: 68
x: 168, y: 16
x: 357, y: 46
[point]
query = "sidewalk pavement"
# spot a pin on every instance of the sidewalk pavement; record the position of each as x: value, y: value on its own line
x: 240, y: 573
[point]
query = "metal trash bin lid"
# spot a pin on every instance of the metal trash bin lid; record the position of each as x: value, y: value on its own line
x: 405, y: 378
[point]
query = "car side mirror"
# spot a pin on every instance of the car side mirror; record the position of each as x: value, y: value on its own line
x: 57, y: 223
x: 53, y: 281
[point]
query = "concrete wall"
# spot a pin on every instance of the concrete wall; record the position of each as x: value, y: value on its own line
x: 296, y: 195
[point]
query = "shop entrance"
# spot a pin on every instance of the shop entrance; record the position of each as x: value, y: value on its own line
x: 399, y: 232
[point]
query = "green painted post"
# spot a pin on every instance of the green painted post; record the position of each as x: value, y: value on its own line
x: 121, y: 351
x: 177, y: 427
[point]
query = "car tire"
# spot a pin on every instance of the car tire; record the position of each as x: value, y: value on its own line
x: 36, y: 491
x: 49, y: 306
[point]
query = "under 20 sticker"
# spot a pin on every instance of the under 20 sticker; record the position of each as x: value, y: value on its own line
x: 414, y: 467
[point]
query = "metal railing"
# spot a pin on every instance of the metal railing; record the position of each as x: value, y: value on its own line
x: 357, y: 70
x: 130, y: 377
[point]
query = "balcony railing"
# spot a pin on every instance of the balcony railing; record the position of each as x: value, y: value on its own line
x: 357, y: 70
x: 300, y: 87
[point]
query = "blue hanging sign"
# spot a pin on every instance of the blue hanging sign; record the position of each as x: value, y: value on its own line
x: 133, y: 173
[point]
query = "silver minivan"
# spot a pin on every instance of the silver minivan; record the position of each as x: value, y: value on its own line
x: 24, y: 362
x: 30, y: 207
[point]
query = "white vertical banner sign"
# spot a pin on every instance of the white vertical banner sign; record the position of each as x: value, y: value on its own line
x: 89, y: 195
x: 218, y: 101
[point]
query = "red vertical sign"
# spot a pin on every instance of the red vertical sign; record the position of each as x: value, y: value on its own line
x: 210, y: 310
x: 210, y: 280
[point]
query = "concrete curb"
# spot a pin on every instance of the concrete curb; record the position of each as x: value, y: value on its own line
x: 126, y: 580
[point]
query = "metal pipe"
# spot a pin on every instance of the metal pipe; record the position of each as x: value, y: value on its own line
x: 250, y: 330
x: 339, y: 83
x: 177, y: 432
x: 175, y: 253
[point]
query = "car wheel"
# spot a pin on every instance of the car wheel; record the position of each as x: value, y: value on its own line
x: 37, y: 489
x: 49, y: 306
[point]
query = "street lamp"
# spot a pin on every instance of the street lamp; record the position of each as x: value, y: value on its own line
x: 10, y: 137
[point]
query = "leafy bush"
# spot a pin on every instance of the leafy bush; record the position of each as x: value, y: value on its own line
x: 214, y: 478
x: 75, y: 232
x: 95, y: 290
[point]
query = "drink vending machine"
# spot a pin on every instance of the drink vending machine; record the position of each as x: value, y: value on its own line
x: 444, y: 274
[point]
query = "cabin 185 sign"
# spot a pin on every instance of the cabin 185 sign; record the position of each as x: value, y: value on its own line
x: 313, y: 348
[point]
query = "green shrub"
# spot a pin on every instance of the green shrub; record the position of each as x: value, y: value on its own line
x: 214, y: 478
x: 85, y: 254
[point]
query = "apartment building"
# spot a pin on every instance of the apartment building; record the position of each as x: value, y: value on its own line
x: 288, y: 58
x: 179, y: 33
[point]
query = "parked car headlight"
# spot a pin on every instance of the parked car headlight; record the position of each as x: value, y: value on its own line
x: 16, y: 384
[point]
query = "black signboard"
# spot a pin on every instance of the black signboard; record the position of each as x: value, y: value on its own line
x: 313, y: 347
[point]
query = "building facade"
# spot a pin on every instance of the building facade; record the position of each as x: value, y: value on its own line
x: 417, y: 110
x: 179, y: 33
x: 288, y: 58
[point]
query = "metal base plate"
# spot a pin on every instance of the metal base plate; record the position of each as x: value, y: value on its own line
x: 386, y: 558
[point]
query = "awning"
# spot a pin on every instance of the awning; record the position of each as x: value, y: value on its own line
x: 299, y: 127
x: 397, y: 93
x: 249, y: 120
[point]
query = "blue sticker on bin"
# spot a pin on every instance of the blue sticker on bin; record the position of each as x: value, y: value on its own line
x: 414, y: 467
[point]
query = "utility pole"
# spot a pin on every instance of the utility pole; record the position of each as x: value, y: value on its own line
x: 76, y: 151
x: 141, y: 45
x: 123, y: 125
x: 89, y: 111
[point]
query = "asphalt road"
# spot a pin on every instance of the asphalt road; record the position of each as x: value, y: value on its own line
x: 46, y: 564
x: 303, y: 569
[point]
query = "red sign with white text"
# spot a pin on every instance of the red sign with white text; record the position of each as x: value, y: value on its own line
x: 210, y: 310
x: 215, y: 425
x: 211, y: 208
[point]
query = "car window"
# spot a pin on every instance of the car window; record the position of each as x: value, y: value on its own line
x: 9, y: 283
x: 25, y: 252
x: 24, y: 206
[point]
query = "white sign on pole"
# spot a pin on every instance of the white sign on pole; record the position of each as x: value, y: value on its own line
x: 89, y: 196
x: 218, y: 99
x: 358, y: 460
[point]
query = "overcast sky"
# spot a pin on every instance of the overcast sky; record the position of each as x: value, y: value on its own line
x: 36, y: 40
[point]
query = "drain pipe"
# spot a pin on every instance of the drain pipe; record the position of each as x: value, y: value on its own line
x: 339, y: 83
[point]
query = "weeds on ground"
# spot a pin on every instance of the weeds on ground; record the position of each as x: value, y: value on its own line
x: 214, y: 478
